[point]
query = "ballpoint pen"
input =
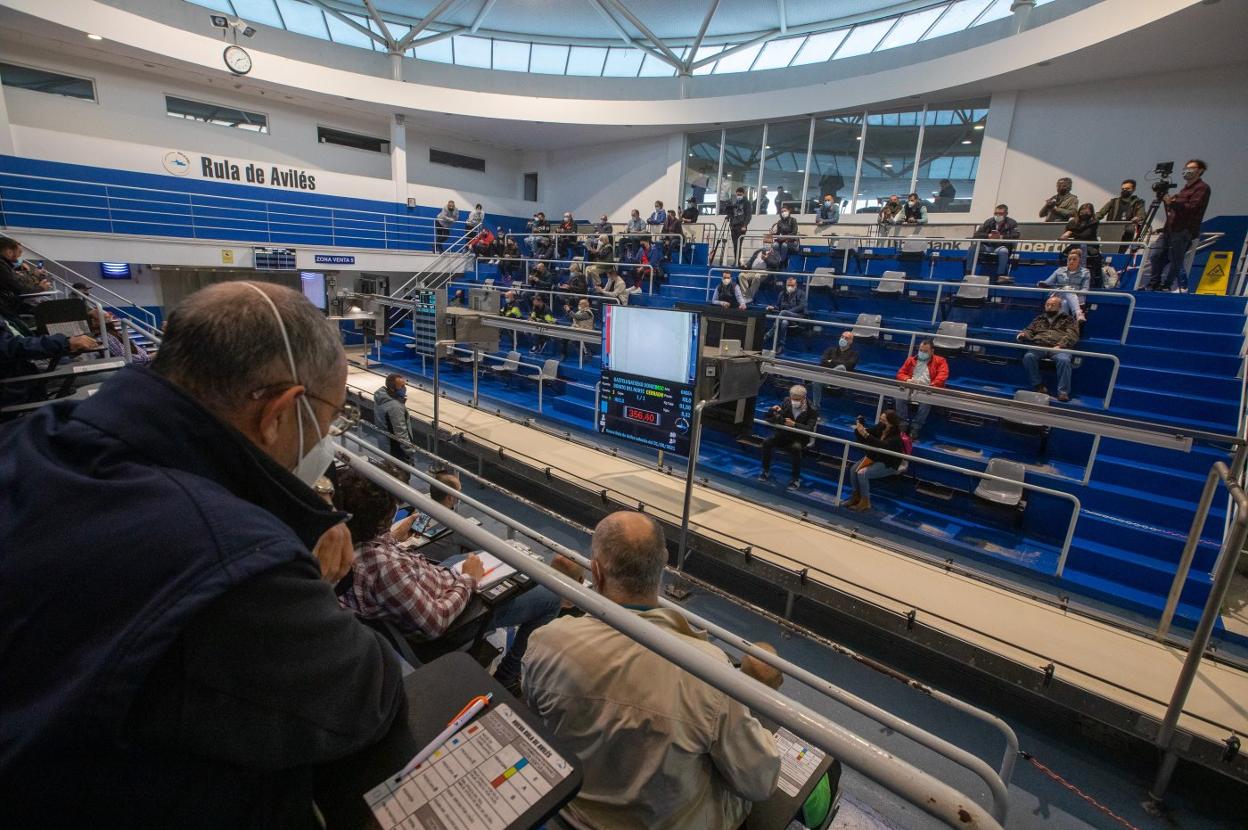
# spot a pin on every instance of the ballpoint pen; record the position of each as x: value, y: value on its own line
x: 457, y: 723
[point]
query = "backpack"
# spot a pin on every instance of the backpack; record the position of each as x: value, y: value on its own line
x: 907, y: 444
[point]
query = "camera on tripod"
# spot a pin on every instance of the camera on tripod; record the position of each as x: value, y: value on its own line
x: 1163, y: 185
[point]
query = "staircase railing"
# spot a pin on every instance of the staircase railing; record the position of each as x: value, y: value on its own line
x: 138, y: 317
x: 452, y: 259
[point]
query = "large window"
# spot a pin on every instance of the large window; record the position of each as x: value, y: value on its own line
x: 218, y: 114
x: 743, y: 152
x: 328, y: 135
x: 41, y: 80
x: 784, y: 165
x: 833, y: 159
x: 933, y: 151
x: 888, y: 159
x: 952, y: 137
x: 702, y: 169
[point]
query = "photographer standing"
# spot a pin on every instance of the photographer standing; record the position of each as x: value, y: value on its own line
x: 1184, y: 212
x: 1063, y: 205
x: 739, y: 216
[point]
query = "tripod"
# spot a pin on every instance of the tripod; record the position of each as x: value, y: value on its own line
x: 721, y: 239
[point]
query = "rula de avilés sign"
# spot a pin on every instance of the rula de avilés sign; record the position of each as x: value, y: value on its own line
x: 270, y: 175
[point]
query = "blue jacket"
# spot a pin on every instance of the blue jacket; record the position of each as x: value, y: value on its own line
x: 169, y: 655
x: 18, y: 347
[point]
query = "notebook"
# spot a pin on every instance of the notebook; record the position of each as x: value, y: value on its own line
x: 496, y: 570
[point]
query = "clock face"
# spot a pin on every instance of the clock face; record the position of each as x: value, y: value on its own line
x: 237, y: 60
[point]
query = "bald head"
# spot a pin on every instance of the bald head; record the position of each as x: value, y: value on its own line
x: 223, y: 343
x: 629, y: 553
x: 764, y: 673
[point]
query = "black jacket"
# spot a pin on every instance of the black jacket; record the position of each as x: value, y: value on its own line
x: 169, y: 656
x: 807, y: 420
x: 740, y: 214
x: 891, y: 443
x: 18, y: 347
x: 11, y: 288
x: 1008, y: 228
x: 836, y: 356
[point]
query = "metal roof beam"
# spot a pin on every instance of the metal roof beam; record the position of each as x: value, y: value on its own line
x: 486, y: 8
x: 364, y: 30
x: 784, y: 16
x: 697, y: 42
x: 763, y: 38
x: 425, y: 23
x: 381, y: 25
x: 645, y: 30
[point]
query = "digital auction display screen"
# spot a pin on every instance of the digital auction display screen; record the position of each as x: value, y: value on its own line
x: 649, y: 370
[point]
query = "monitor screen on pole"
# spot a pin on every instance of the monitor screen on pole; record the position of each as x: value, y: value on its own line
x: 649, y: 369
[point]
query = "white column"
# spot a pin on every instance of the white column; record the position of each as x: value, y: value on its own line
x: 398, y: 157
x: 6, y: 133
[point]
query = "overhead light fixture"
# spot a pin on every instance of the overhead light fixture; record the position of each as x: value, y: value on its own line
x: 95, y: 37
x: 966, y: 141
x: 857, y: 138
x: 979, y: 126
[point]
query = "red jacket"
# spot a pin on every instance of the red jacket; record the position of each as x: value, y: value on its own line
x: 939, y: 369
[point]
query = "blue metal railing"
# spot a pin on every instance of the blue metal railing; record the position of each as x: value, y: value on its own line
x: 43, y: 202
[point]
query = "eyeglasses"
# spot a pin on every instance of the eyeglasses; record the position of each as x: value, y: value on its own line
x: 345, y: 417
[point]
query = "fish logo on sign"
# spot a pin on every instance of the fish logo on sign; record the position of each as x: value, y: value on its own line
x: 177, y: 163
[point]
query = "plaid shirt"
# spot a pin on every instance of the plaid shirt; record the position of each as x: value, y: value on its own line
x: 404, y: 587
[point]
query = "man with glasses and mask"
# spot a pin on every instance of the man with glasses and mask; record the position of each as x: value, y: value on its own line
x: 1125, y: 207
x: 173, y: 651
x: 1001, y: 226
x: 1185, y: 211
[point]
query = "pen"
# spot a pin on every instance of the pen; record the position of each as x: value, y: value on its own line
x: 457, y: 723
x: 490, y: 571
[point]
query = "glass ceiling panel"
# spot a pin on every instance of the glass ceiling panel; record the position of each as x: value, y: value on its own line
x: 340, y: 32
x: 439, y: 52
x: 548, y: 60
x: 819, y: 48
x: 653, y: 67
x: 864, y: 38
x: 258, y: 11
x: 303, y: 19
x: 307, y: 18
x: 958, y: 17
x: 910, y: 28
x: 778, y: 53
x: 622, y: 62
x: 999, y: 10
x: 472, y: 51
x: 511, y: 56
x: 586, y: 60
x: 215, y: 5
x: 738, y: 61
x: 706, y: 52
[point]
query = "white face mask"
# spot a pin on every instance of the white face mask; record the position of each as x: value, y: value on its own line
x: 312, y: 464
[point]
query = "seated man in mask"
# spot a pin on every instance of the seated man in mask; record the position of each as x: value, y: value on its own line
x: 176, y: 654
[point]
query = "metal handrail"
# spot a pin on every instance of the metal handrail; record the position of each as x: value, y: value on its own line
x: 1004, y: 774
x: 807, y: 276
x: 149, y: 323
x: 915, y: 335
x: 1228, y: 558
x: 528, y: 289
x: 997, y: 781
x: 934, y: 797
x: 580, y: 235
x: 1039, y: 488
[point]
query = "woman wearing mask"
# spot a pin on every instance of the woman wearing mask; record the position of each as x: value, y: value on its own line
x: 1083, y: 227
x: 884, y: 435
x: 565, y: 236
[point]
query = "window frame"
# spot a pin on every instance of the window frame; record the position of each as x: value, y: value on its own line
x: 342, y: 131
x: 95, y: 88
x: 268, y: 121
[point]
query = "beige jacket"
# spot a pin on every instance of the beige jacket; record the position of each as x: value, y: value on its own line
x: 661, y: 748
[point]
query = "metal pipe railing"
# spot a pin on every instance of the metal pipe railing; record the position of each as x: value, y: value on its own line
x: 1228, y: 558
x: 997, y: 781
x: 915, y: 336
x: 145, y: 320
x: 1077, y: 506
x: 805, y: 278
x: 678, y: 240
x: 919, y: 788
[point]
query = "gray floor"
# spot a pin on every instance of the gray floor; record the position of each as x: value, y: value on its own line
x: 1114, y: 773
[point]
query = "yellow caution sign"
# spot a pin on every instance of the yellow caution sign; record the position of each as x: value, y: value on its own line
x: 227, y: 256
x: 1217, y: 272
